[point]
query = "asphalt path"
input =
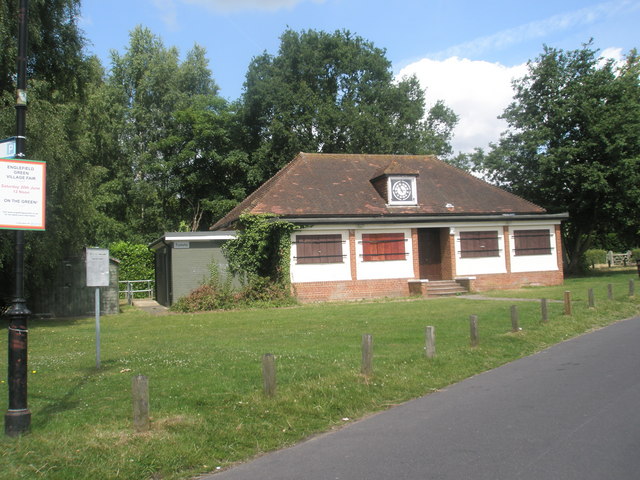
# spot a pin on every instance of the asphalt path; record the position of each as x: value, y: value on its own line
x: 569, y: 412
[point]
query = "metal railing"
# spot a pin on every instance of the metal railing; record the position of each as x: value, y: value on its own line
x: 133, y: 287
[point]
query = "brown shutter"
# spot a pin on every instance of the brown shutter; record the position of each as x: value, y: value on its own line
x: 479, y: 244
x: 383, y: 246
x: 319, y: 249
x: 532, y: 242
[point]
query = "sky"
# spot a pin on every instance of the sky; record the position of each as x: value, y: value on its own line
x: 464, y: 52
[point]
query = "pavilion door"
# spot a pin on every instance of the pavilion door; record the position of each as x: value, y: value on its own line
x: 429, y: 253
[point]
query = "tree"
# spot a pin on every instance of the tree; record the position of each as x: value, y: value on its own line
x: 573, y: 144
x: 172, y: 157
x: 57, y: 75
x: 334, y: 93
x: 55, y: 45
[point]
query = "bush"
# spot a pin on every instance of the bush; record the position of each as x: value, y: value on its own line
x: 258, y: 292
x: 595, y: 256
x: 136, y: 260
x: 636, y: 254
x: 205, y: 297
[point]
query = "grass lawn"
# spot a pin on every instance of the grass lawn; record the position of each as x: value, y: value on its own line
x: 205, y: 379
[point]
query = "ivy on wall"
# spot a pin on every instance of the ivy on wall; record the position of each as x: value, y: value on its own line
x: 261, y: 248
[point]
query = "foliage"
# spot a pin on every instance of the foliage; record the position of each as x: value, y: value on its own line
x: 206, y: 393
x: 58, y: 75
x: 594, y: 257
x: 636, y: 254
x: 572, y: 144
x: 334, y: 93
x: 261, y: 248
x: 165, y: 141
x: 55, y: 45
x: 136, y: 260
x: 218, y: 294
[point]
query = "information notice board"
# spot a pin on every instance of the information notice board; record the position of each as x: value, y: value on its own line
x: 22, y: 194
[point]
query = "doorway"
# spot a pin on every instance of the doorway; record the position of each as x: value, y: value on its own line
x: 429, y: 253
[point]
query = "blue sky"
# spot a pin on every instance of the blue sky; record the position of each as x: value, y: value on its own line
x: 463, y: 51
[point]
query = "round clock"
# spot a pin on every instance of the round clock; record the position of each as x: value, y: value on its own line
x: 401, y: 190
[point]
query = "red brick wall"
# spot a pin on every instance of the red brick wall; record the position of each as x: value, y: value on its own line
x: 351, y: 290
x: 399, y: 287
x: 516, y: 280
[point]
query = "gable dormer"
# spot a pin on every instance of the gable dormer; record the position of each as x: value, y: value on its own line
x: 397, y: 184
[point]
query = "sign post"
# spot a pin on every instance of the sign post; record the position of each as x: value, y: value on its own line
x: 97, y: 262
x: 17, y: 420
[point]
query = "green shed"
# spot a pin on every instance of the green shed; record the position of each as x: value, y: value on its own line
x: 183, y: 262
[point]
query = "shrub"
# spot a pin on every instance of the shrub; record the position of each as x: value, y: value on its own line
x: 595, y: 256
x: 636, y: 254
x: 258, y: 292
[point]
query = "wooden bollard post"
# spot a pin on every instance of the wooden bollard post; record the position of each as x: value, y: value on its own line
x: 367, y: 355
x: 610, y: 291
x: 473, y: 327
x: 544, y: 310
x: 140, y: 393
x: 515, y: 320
x: 592, y: 300
x: 269, y: 374
x: 567, y: 303
x: 430, y: 348
x: 632, y: 288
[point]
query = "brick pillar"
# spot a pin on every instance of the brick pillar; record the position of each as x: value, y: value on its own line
x: 559, y: 248
x: 448, y: 254
x: 415, y: 253
x: 352, y: 254
x: 507, y: 248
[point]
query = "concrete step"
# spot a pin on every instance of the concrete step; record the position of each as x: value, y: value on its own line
x: 441, y: 288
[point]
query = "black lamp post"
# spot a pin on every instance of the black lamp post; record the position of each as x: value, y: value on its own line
x: 17, y: 420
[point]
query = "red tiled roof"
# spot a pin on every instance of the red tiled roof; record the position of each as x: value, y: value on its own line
x: 339, y: 185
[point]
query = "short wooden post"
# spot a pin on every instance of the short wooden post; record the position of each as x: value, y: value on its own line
x: 592, y: 300
x: 610, y: 291
x: 544, y: 310
x: 140, y: 393
x: 430, y: 348
x: 515, y: 327
x: 567, y: 303
x: 269, y: 374
x: 632, y: 288
x: 367, y: 355
x: 473, y: 327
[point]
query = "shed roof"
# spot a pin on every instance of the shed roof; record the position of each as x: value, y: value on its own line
x: 341, y: 185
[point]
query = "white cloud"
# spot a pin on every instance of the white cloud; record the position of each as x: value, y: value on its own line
x: 540, y: 28
x: 242, y: 5
x: 168, y: 13
x: 477, y: 91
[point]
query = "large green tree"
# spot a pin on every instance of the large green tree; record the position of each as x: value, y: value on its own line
x: 57, y: 77
x: 573, y: 144
x: 333, y: 93
x: 166, y: 146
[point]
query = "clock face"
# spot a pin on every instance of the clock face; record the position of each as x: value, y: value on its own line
x: 401, y: 191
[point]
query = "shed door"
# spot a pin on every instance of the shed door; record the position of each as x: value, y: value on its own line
x: 429, y: 253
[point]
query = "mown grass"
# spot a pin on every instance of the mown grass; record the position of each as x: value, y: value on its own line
x: 204, y: 370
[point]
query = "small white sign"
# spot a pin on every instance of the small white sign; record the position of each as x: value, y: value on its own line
x: 22, y: 194
x: 8, y: 148
x: 97, y: 267
x: 181, y: 244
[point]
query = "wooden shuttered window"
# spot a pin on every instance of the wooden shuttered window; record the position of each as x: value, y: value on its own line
x: 319, y: 249
x: 479, y: 244
x: 532, y: 242
x: 383, y: 246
